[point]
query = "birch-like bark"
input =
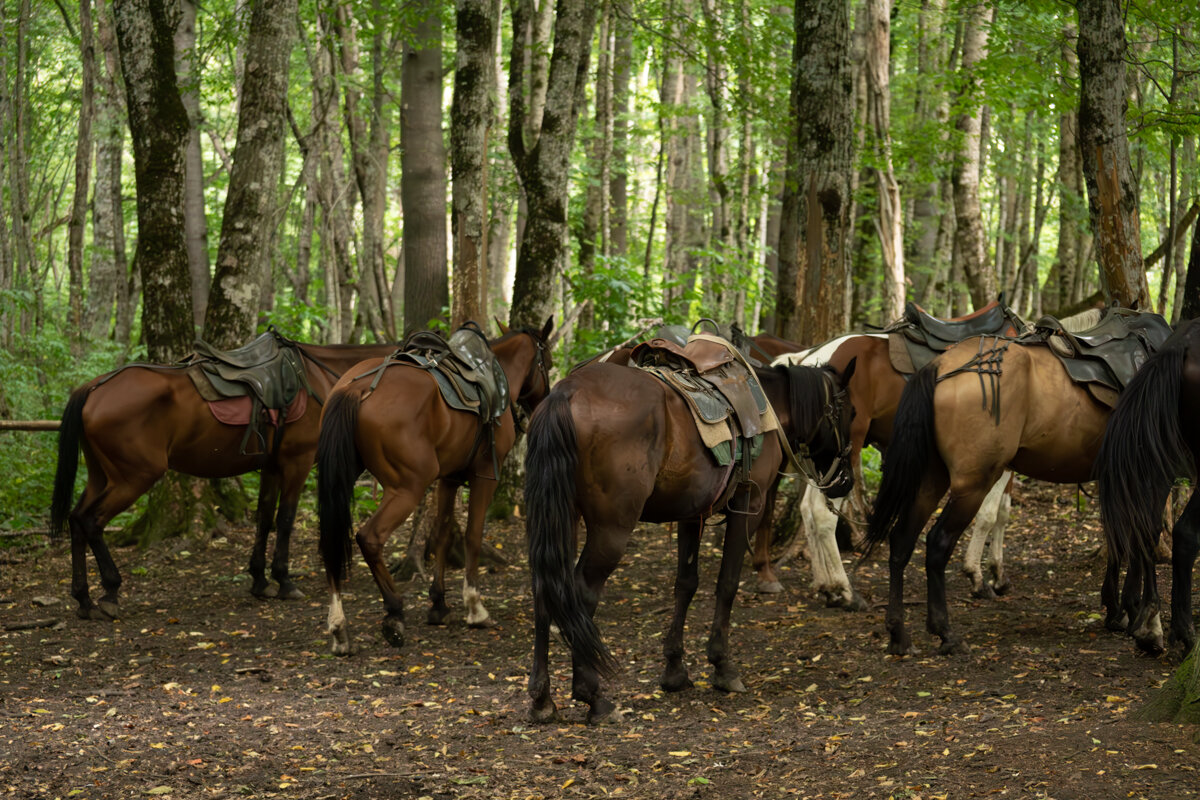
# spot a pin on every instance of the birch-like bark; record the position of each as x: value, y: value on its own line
x: 890, y: 213
x: 83, y: 166
x: 195, y: 216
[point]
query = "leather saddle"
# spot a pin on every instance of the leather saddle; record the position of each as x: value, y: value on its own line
x: 269, y: 370
x: 708, y: 375
x: 1107, y: 354
x: 467, y: 372
x: 918, y: 337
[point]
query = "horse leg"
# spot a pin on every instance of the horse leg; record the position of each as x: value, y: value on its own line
x: 829, y: 579
x: 395, y: 507
x: 725, y: 672
x: 542, y: 708
x: 93, y: 511
x: 442, y: 539
x: 482, y: 492
x: 335, y: 622
x: 601, y: 554
x: 768, y: 581
x: 902, y: 541
x: 268, y: 496
x: 687, y: 578
x: 291, y: 482
x: 1000, y: 584
x: 983, y: 529
x: 1116, y: 618
x: 1185, y: 544
x: 1145, y: 624
x: 939, y: 545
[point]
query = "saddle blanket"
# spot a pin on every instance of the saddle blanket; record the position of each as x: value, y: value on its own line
x: 237, y: 410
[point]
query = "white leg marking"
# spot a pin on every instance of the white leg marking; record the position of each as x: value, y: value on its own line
x: 477, y: 613
x: 820, y: 524
x: 336, y: 625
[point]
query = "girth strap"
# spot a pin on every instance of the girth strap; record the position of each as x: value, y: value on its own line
x: 985, y: 362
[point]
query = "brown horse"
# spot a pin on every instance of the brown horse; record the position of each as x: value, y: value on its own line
x: 959, y: 429
x: 405, y: 434
x: 135, y: 424
x: 613, y: 445
x: 1153, y: 438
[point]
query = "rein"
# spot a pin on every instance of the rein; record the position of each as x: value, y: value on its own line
x: 834, y: 403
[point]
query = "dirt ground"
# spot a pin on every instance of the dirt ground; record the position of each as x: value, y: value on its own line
x: 202, y: 691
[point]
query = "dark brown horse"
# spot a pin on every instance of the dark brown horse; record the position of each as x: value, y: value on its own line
x: 1153, y: 438
x: 405, y: 434
x: 958, y: 429
x: 136, y: 424
x: 613, y: 445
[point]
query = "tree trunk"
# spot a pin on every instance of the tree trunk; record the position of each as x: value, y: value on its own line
x: 970, y: 245
x: 195, y: 216
x: 1180, y: 253
x: 423, y: 174
x: 1112, y: 187
x: 717, y: 285
x: 543, y: 165
x: 1059, y: 290
x: 593, y: 233
x: 243, y: 255
x: 470, y: 116
x: 622, y: 68
x: 890, y: 220
x: 814, y: 277
x: 158, y: 125
x: 106, y: 273
x: 83, y: 164
x: 22, y: 235
x: 929, y: 105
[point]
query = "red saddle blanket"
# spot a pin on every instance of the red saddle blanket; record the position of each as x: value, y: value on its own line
x: 236, y: 410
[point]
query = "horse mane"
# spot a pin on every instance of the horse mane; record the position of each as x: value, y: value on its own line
x: 806, y: 396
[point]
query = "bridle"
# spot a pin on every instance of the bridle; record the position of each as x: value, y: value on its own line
x: 834, y: 408
x: 523, y: 406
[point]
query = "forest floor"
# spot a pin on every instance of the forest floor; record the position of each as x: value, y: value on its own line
x: 203, y: 691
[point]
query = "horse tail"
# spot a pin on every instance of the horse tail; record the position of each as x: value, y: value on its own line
x: 1142, y: 454
x: 338, y: 467
x: 550, y: 463
x: 908, y: 455
x: 70, y: 435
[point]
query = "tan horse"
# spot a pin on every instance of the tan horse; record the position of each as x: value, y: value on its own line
x: 958, y: 429
x: 405, y: 434
x: 135, y: 424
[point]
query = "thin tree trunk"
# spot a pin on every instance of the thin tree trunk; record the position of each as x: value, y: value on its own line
x: 890, y: 220
x: 83, y: 164
x: 543, y: 166
x: 423, y: 175
x: 22, y: 235
x: 1112, y: 186
x: 622, y: 67
x: 1180, y: 253
x: 717, y: 135
x: 195, y: 217
x: 970, y: 246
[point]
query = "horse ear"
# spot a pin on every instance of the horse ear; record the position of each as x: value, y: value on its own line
x: 548, y: 327
x: 849, y: 371
x: 503, y: 327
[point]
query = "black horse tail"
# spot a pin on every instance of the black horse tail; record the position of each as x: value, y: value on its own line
x: 550, y: 462
x: 338, y: 467
x: 70, y: 434
x: 908, y: 455
x: 1142, y: 454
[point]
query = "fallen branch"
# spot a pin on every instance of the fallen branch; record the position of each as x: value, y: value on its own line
x: 33, y: 624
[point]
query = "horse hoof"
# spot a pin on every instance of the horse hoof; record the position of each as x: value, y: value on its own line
x: 543, y: 713
x: 261, y: 589
x: 437, y: 616
x: 289, y: 591
x: 676, y: 681
x: 603, y: 712
x: 393, y: 632
x: 853, y: 602
x: 954, y: 647
x: 1001, y: 587
x: 732, y: 685
x: 481, y: 624
x: 1117, y: 623
x: 901, y: 649
x: 769, y: 587
x: 108, y: 609
x: 984, y: 592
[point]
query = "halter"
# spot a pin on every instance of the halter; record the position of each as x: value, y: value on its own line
x: 835, y: 403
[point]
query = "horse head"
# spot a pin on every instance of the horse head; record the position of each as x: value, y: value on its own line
x: 535, y: 384
x: 820, y: 422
